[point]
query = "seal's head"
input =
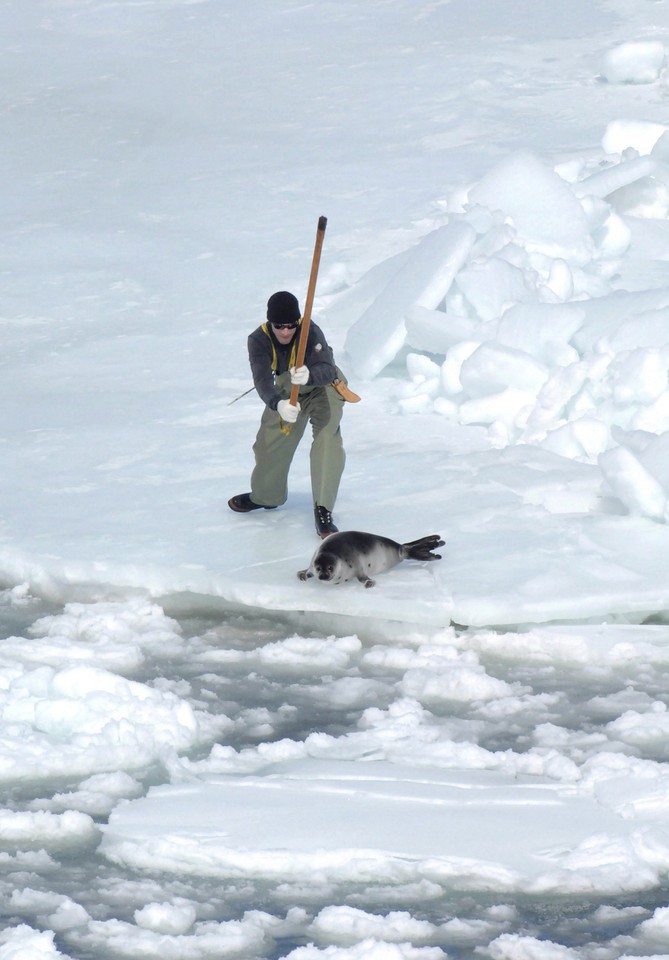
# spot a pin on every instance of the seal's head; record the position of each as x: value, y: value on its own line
x: 326, y: 566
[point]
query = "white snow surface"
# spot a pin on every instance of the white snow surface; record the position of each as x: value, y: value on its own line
x: 495, y: 284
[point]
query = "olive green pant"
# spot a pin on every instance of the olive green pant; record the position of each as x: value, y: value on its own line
x: 274, y: 450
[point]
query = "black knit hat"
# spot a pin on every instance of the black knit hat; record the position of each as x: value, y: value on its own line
x: 282, y: 307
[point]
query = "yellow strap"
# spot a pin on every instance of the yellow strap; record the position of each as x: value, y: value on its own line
x: 275, y: 359
x: 284, y: 427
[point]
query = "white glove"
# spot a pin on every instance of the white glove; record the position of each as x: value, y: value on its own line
x: 299, y: 375
x: 287, y: 411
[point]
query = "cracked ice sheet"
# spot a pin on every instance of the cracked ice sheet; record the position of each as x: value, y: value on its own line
x: 379, y: 822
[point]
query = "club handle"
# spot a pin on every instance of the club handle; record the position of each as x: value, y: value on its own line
x: 309, y: 302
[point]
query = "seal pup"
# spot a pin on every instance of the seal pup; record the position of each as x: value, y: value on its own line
x: 353, y: 555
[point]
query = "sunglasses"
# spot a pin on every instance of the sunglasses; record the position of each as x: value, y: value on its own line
x: 285, y: 326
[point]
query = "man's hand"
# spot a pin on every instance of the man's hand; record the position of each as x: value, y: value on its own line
x: 299, y: 375
x: 287, y: 411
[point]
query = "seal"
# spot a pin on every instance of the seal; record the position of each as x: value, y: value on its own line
x: 354, y: 555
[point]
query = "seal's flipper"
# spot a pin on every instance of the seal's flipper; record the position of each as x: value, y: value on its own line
x: 366, y: 582
x: 422, y: 549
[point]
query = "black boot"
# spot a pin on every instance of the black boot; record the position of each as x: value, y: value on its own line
x: 324, y: 524
x: 242, y: 503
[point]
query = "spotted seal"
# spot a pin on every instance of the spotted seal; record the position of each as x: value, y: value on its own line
x: 352, y: 554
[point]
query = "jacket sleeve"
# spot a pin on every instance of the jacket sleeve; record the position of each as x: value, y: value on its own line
x: 319, y: 358
x: 260, y: 359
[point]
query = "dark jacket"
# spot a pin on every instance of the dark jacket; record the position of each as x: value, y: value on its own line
x: 318, y: 358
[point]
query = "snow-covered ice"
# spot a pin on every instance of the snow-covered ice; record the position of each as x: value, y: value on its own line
x: 202, y: 755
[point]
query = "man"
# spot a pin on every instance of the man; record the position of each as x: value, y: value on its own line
x: 272, y: 355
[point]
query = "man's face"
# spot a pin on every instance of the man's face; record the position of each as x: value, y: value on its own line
x: 283, y: 333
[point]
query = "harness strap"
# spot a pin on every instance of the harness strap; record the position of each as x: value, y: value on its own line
x: 275, y: 359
